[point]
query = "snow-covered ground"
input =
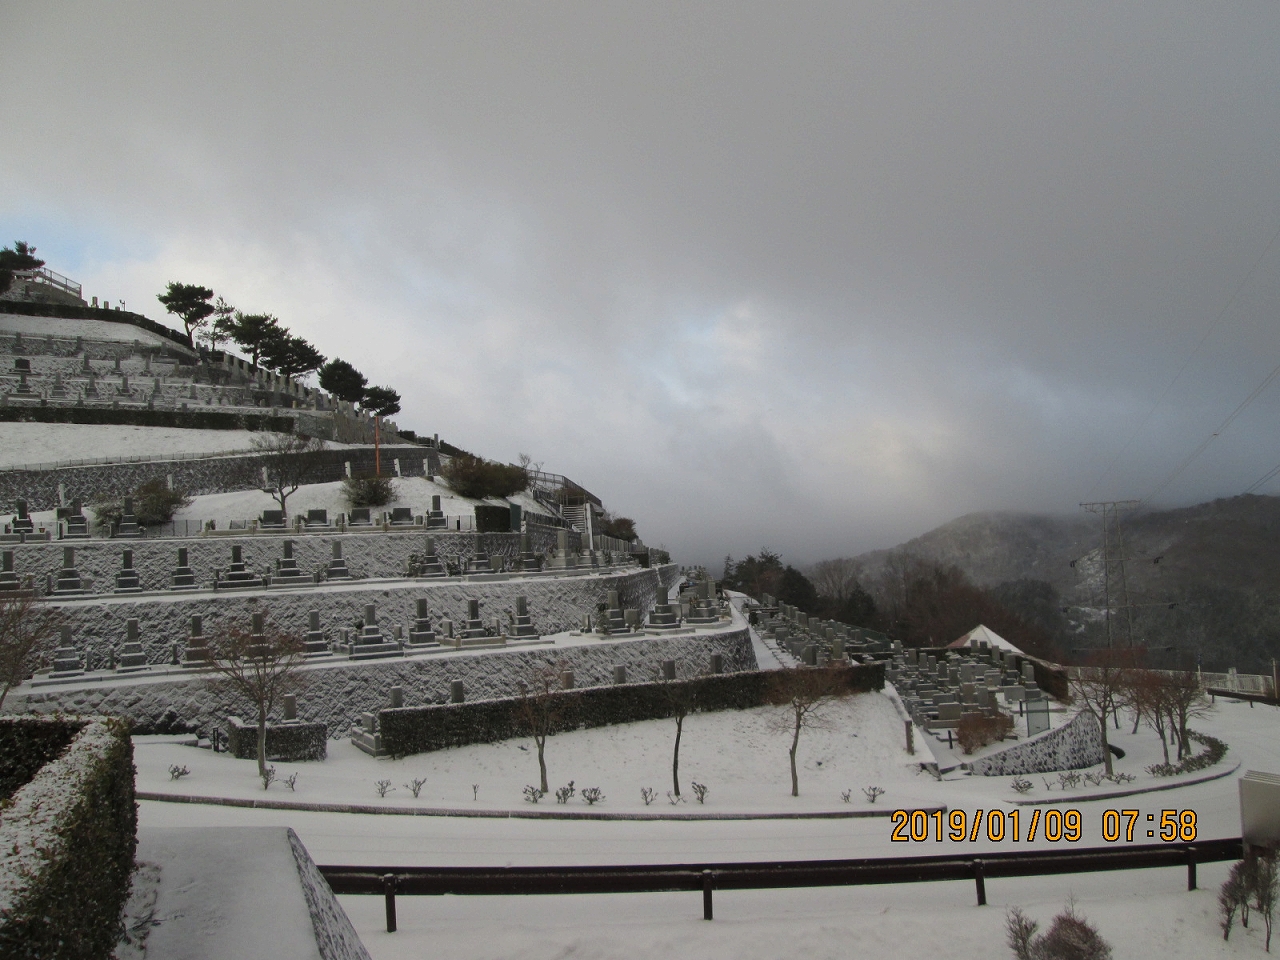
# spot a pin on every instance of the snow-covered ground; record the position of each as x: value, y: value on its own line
x: 32, y: 443
x: 743, y: 761
x: 412, y: 492
x: 11, y: 323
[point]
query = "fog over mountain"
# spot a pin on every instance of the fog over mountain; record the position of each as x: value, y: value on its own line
x: 818, y: 277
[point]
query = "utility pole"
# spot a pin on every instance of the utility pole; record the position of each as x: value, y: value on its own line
x: 1113, y: 559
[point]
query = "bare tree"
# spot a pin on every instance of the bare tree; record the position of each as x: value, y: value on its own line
x: 290, y: 460
x: 681, y: 699
x: 1101, y: 688
x: 1185, y: 701
x: 837, y: 578
x: 28, y: 632
x: 262, y: 668
x: 538, y: 711
x: 803, y: 693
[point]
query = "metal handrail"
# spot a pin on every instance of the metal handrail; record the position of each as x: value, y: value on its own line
x: 705, y: 877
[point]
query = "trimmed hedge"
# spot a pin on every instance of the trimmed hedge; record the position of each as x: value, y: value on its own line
x: 285, y: 741
x: 190, y: 419
x: 26, y: 745
x: 492, y: 519
x: 410, y: 730
x: 67, y: 843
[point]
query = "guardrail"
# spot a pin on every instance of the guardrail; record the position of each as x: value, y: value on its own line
x: 490, y: 881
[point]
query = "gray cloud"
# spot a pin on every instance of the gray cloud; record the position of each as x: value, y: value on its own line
x: 816, y: 276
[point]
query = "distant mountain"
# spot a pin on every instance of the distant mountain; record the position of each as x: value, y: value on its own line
x: 1203, y: 579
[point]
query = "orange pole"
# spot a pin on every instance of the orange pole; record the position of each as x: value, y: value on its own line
x: 377, y: 445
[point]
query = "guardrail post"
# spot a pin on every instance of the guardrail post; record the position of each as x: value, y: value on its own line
x: 1191, y: 868
x: 706, y: 894
x: 980, y: 882
x: 389, y: 891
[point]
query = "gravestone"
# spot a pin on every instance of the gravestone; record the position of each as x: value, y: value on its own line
x: 68, y: 581
x: 238, y: 576
x: 480, y: 561
x: 401, y: 517
x: 183, y: 577
x: 522, y: 627
x: 8, y: 577
x: 272, y: 519
x: 197, y: 653
x: 456, y: 692
x: 436, y: 520
x: 1029, y: 671
x: 287, y: 570
x: 421, y: 635
x: 371, y: 643
x: 22, y: 522
x: 359, y: 517
x: 132, y: 659
x: 562, y: 558
x: 313, y: 643
x: 127, y: 580
x: 528, y: 559
x: 128, y: 528
x: 77, y: 523
x: 620, y: 674
x: 337, y: 569
x: 317, y: 518
x: 428, y: 565
x: 473, y: 632
x: 66, y: 659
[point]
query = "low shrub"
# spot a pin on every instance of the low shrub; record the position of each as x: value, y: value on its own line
x: 365, y: 491
x: 979, y: 729
x: 470, y: 476
x: 491, y: 518
x: 1214, y: 751
x: 153, y: 504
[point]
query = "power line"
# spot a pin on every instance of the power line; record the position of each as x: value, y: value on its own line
x: 1257, y: 391
x: 1128, y: 445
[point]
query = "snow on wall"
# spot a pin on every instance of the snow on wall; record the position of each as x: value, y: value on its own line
x: 555, y: 604
x: 338, y: 694
x: 336, y: 938
x: 371, y: 554
x: 196, y: 477
x: 1075, y: 744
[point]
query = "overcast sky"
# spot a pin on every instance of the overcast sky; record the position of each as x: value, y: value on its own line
x: 817, y: 277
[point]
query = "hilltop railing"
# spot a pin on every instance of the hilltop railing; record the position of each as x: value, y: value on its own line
x: 490, y: 881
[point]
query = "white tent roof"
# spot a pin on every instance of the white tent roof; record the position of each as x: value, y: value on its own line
x: 982, y: 633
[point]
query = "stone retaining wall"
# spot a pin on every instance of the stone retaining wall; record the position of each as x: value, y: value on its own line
x: 196, y: 477
x: 555, y: 604
x: 1074, y: 745
x: 336, y: 694
x: 370, y: 554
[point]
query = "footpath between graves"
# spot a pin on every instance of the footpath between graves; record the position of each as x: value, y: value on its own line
x: 530, y: 813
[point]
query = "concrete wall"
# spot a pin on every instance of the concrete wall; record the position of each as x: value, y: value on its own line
x: 1074, y: 745
x: 555, y: 604
x: 337, y: 693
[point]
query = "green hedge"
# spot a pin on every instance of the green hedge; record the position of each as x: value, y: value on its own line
x: 286, y: 741
x: 409, y: 730
x: 492, y: 519
x: 26, y: 745
x: 190, y: 419
x: 67, y: 843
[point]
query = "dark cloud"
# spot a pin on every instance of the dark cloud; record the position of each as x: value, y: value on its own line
x: 817, y: 276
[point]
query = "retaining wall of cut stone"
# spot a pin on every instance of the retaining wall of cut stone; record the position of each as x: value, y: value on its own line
x: 98, y: 627
x: 337, y: 693
x: 371, y: 554
x: 196, y: 477
x: 1072, y: 746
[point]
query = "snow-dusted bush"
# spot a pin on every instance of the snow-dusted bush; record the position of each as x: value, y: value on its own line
x: 67, y: 839
x: 979, y: 729
x: 1213, y: 752
x: 1069, y: 937
x: 286, y: 741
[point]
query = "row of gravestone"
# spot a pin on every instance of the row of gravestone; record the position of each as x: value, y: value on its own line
x: 68, y: 583
x: 370, y: 641
x: 938, y: 693
x: 815, y: 642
